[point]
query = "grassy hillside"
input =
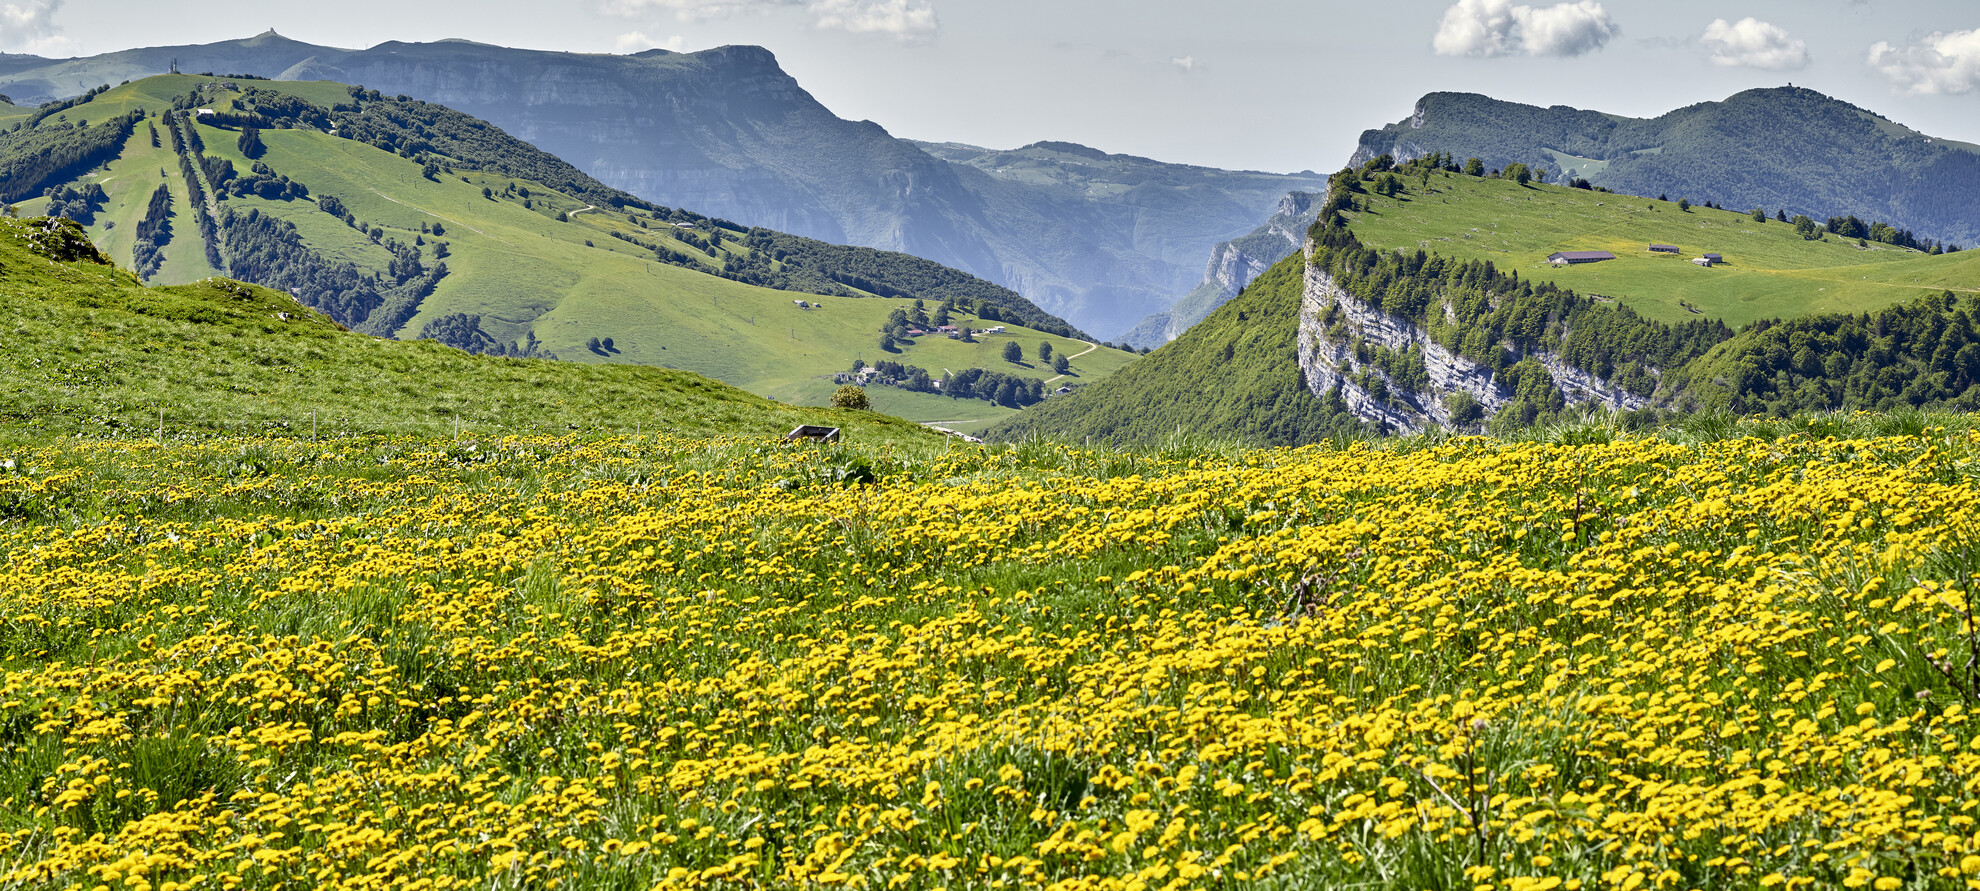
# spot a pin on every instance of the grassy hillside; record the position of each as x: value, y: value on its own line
x: 1234, y: 374
x: 543, y: 264
x: 1771, y: 272
x: 92, y: 351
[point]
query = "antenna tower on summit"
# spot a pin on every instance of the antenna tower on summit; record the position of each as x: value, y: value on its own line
x: 175, y: 67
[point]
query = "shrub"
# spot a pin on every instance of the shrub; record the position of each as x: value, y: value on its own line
x: 852, y: 397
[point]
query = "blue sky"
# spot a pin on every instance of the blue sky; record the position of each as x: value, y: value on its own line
x: 1261, y: 84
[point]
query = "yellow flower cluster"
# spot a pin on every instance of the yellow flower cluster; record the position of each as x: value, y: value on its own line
x: 652, y: 663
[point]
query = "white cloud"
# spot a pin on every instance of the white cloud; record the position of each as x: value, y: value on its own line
x: 905, y: 19
x: 909, y: 20
x: 30, y: 26
x: 1498, y: 28
x: 1941, y: 63
x: 1754, y: 44
x: 1185, y: 64
x: 638, y: 42
x: 697, y: 10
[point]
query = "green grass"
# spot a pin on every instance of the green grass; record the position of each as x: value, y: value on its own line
x: 1771, y: 272
x: 93, y: 352
x: 523, y: 271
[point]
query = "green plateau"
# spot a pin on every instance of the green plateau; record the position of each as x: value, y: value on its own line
x: 1770, y: 271
x: 461, y: 233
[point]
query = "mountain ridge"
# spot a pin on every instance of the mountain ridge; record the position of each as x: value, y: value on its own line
x: 1789, y: 149
x: 728, y: 132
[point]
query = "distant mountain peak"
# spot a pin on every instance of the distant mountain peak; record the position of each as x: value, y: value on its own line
x: 741, y: 55
x: 1069, y: 148
x: 266, y: 37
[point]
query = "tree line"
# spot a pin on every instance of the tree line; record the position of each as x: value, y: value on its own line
x: 32, y: 158
x: 463, y: 331
x: 187, y: 144
x: 153, y: 233
x: 1014, y: 391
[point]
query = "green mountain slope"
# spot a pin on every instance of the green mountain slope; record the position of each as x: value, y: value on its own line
x: 1771, y: 271
x: 1235, y: 373
x: 91, y: 351
x: 1101, y: 242
x: 1359, y: 334
x: 403, y: 218
x: 1786, y: 148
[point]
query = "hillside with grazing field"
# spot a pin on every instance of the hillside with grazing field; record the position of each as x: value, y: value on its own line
x: 353, y: 203
x: 1771, y: 271
x: 92, y: 351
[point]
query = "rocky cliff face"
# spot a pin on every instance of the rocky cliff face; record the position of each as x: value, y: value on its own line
x: 1331, y: 321
x: 1233, y: 265
x: 1393, y: 141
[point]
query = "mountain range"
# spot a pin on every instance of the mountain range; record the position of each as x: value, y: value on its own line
x: 1784, y: 149
x: 1101, y: 240
x: 404, y: 218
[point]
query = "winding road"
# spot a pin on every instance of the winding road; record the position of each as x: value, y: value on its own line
x: 1090, y: 347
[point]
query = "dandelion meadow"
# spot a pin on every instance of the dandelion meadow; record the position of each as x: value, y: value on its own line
x: 643, y: 662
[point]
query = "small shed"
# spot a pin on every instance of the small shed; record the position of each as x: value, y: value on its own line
x: 1716, y: 258
x: 1664, y: 249
x: 812, y: 431
x: 1566, y: 258
x: 1704, y: 261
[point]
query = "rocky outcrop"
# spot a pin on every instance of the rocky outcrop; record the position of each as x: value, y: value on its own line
x: 1392, y: 141
x: 1233, y: 265
x: 1331, y: 320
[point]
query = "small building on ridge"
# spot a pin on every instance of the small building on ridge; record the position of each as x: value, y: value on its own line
x: 1565, y: 258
